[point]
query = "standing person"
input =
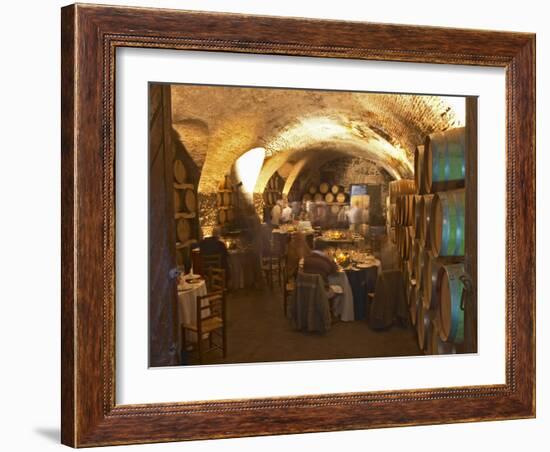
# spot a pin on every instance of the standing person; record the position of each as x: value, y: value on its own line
x: 286, y: 214
x: 296, y: 209
x: 342, y: 218
x: 310, y: 211
x: 355, y: 217
x: 276, y: 212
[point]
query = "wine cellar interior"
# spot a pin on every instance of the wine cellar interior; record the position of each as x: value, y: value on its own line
x: 299, y: 224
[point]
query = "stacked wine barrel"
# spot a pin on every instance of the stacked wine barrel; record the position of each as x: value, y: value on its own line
x: 225, y: 201
x: 429, y: 221
x: 274, y: 190
x: 185, y: 209
x: 331, y: 194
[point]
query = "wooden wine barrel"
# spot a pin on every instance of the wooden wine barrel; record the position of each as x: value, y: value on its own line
x: 398, y: 232
x: 312, y: 189
x: 450, y: 313
x: 399, y: 206
x: 430, y: 272
x: 423, y: 325
x: 334, y: 209
x: 413, y: 303
x: 183, y: 230
x: 425, y: 227
x: 405, y: 241
x: 177, y: 201
x: 419, y: 169
x: 230, y: 215
x: 225, y: 183
x: 306, y: 197
x: 437, y: 346
x: 447, y: 224
x: 418, y: 208
x: 392, y: 233
x: 401, y: 187
x: 392, y: 215
x: 406, y: 280
x: 190, y: 201
x: 227, y: 198
x: 444, y: 167
x: 341, y: 197
x: 317, y: 197
x: 405, y: 206
x: 418, y: 263
x: 180, y: 173
x: 411, y: 267
x: 222, y: 216
x: 324, y: 187
x: 335, y: 189
x: 329, y: 197
x: 429, y: 281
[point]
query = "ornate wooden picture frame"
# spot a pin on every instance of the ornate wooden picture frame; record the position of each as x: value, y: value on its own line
x: 90, y: 37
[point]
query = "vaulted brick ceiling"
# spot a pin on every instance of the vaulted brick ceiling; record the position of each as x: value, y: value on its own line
x: 219, y: 124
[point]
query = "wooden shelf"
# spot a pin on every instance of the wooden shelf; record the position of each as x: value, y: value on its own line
x: 180, y: 245
x: 179, y: 215
x: 184, y: 186
x: 225, y: 190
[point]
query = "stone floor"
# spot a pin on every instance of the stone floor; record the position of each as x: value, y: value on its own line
x: 259, y: 332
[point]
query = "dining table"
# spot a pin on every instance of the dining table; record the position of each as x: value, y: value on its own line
x: 357, y: 277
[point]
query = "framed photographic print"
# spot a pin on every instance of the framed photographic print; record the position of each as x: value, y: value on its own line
x: 281, y: 225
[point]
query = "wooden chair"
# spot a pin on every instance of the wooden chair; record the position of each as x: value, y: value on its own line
x: 210, y: 260
x: 273, y: 266
x: 211, y: 320
x: 310, y: 308
x: 288, y: 289
x: 216, y: 280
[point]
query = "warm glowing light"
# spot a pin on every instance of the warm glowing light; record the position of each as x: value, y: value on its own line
x: 248, y: 166
x: 340, y: 131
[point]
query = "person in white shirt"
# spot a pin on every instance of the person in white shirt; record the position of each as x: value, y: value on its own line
x: 276, y: 212
x: 286, y: 214
x: 355, y: 217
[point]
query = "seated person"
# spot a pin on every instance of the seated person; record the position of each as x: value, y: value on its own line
x: 297, y: 250
x: 214, y: 246
x: 318, y: 262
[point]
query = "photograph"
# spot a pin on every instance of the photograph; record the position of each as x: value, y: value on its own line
x: 284, y: 224
x: 300, y: 224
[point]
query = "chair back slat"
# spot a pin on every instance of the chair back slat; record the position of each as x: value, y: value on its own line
x: 211, y: 260
x: 216, y: 279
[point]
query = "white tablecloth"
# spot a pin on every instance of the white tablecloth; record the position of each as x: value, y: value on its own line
x: 344, y: 302
x: 187, y: 306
